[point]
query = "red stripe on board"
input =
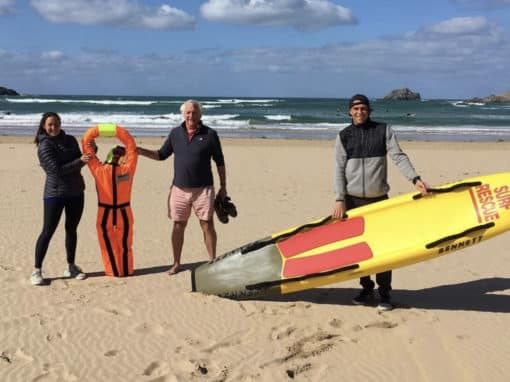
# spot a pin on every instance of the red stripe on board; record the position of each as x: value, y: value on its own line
x: 322, y: 235
x: 327, y: 261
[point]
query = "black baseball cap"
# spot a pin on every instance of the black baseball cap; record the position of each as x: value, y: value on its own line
x: 359, y: 99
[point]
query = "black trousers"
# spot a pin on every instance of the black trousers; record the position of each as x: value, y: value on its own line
x: 53, y: 209
x: 383, y: 279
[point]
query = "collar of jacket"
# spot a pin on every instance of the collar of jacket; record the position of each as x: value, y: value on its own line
x: 365, y: 125
x: 60, y: 135
x: 199, y: 128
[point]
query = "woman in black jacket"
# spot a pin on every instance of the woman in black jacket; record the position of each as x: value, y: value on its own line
x: 61, y: 159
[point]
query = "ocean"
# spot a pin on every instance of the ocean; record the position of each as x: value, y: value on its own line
x: 264, y: 117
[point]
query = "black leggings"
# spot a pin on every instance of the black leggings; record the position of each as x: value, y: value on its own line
x: 53, y: 208
x: 383, y: 279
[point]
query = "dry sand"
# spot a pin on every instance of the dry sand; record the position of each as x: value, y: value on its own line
x: 451, y: 323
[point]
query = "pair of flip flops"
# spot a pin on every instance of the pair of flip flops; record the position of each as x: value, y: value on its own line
x: 224, y: 208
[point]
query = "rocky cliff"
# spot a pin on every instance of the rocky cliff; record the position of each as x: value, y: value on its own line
x: 7, y: 91
x: 502, y: 98
x: 403, y: 94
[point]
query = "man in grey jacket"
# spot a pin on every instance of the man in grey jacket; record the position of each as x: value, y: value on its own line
x: 361, y: 178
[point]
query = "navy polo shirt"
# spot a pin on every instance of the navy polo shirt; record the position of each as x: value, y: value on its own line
x: 192, y: 158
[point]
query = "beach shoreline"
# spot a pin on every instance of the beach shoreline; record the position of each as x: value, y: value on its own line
x: 264, y: 118
x: 15, y: 138
x: 447, y: 325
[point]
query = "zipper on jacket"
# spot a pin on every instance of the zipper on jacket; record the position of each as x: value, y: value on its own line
x: 363, y: 146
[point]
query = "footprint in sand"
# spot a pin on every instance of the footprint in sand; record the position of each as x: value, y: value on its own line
x: 295, y: 371
x: 281, y: 333
x: 231, y: 340
x: 156, y: 369
x: 5, y: 357
x: 111, y: 353
x: 311, y: 346
x: 55, y: 337
x: 292, y: 308
x: 42, y: 321
x: 55, y: 373
x: 335, y: 323
x: 192, y: 341
x: 10, y: 268
x: 178, y: 350
x: 307, y: 347
x: 116, y: 311
x: 201, y: 369
x: 382, y: 325
x: 150, y: 328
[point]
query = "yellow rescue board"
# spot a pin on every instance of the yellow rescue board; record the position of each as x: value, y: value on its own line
x: 397, y: 232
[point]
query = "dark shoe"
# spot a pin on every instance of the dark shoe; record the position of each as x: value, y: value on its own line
x: 365, y: 297
x: 229, y: 207
x: 385, y: 304
x: 219, y: 208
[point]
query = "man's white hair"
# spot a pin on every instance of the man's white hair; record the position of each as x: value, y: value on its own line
x: 193, y: 102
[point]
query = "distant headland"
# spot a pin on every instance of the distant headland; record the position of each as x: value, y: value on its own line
x: 404, y: 94
x: 7, y: 91
x: 501, y: 98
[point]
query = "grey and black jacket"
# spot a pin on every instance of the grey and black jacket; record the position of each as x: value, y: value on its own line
x: 60, y: 159
x: 361, y: 166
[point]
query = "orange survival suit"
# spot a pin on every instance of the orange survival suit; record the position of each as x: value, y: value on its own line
x: 114, y: 222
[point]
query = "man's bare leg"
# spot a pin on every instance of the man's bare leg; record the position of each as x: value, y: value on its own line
x: 177, y: 243
x: 210, y: 237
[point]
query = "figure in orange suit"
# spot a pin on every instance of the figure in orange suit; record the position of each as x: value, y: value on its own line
x: 114, y: 180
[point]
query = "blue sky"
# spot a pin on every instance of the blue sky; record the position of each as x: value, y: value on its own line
x: 278, y: 48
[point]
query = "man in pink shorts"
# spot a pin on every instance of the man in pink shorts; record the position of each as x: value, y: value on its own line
x: 181, y: 200
x: 193, y: 145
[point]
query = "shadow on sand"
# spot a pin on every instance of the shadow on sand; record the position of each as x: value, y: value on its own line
x: 478, y: 295
x: 138, y: 272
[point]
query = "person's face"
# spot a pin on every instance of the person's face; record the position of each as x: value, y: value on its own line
x: 191, y: 115
x: 359, y: 114
x: 52, y: 126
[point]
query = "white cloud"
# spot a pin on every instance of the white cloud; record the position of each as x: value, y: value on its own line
x: 6, y: 6
x: 52, y: 55
x: 168, y: 17
x: 436, y: 65
x: 113, y: 12
x: 460, y: 26
x: 300, y: 14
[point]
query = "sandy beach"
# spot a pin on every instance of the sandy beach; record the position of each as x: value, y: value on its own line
x: 451, y: 322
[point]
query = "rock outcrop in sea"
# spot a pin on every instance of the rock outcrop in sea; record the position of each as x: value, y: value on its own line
x: 404, y: 94
x: 501, y: 98
x: 7, y: 91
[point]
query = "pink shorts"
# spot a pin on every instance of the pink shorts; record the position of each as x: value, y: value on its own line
x: 181, y: 200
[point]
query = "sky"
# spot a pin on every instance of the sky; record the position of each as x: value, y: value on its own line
x: 253, y: 48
